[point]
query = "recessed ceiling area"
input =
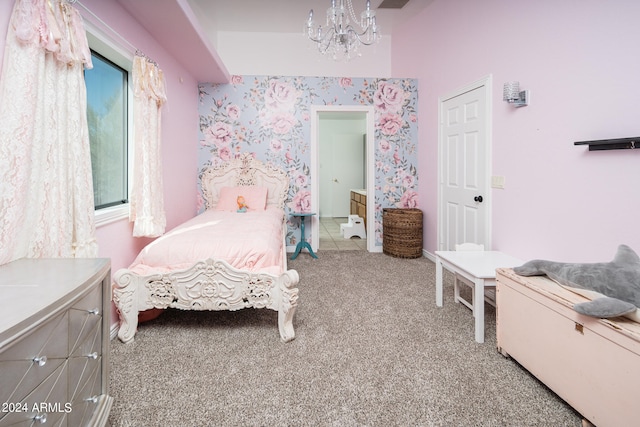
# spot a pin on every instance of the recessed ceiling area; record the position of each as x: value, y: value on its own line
x: 201, y: 24
x: 289, y: 16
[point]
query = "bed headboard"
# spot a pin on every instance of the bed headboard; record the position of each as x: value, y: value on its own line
x: 245, y: 170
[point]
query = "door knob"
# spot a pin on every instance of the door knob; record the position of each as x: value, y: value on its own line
x: 478, y: 199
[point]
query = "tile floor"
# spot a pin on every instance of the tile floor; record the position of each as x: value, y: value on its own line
x: 331, y: 240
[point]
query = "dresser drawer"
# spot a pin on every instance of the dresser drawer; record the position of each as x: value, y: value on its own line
x: 85, y: 332
x: 86, y: 394
x: 48, y: 340
x: 54, y: 342
x: 91, y: 301
x: 21, y: 377
x: 32, y: 359
x: 52, y: 392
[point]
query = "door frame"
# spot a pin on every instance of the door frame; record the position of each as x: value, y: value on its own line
x: 487, y: 82
x: 315, y: 168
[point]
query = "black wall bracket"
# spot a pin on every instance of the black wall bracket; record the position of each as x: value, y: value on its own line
x: 611, y: 144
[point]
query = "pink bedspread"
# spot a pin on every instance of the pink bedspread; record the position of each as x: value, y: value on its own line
x: 248, y: 241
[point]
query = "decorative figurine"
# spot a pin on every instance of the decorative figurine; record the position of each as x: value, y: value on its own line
x: 242, y: 204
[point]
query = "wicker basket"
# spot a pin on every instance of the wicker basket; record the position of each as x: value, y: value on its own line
x: 402, y: 232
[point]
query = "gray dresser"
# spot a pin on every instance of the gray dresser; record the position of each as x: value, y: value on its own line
x: 54, y: 342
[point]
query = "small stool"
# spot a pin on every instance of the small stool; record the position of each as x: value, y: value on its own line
x: 354, y: 227
x: 302, y: 244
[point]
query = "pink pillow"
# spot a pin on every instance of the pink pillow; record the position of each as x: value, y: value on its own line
x: 255, y: 198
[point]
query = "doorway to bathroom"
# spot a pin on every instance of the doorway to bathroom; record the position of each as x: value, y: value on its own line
x: 341, y: 162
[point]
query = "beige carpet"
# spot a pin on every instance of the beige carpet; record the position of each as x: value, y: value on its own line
x: 371, y: 349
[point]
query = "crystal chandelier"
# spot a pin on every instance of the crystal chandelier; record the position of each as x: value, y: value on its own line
x: 340, y: 38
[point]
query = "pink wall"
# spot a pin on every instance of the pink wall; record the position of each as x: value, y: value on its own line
x: 578, y: 58
x: 179, y: 129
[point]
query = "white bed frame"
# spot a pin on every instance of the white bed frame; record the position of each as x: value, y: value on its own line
x: 214, y: 284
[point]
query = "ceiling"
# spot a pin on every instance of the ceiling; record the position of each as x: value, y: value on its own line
x: 289, y: 16
x: 194, y: 23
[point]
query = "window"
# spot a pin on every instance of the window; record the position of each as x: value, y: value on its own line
x: 110, y: 119
x: 107, y: 113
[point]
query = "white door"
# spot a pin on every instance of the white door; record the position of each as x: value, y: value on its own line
x: 348, y: 170
x: 464, y: 170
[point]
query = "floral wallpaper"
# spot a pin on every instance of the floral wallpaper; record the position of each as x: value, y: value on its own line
x: 269, y: 116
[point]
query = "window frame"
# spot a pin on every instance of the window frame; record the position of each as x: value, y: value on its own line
x: 116, y: 53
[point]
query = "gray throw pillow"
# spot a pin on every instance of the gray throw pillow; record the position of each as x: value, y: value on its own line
x: 614, y: 286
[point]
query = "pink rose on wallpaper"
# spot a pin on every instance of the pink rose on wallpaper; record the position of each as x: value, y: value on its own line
x: 390, y: 124
x: 276, y: 145
x: 409, y: 200
x: 396, y: 157
x: 280, y: 96
x: 224, y: 153
x: 408, y: 181
x: 219, y: 134
x: 233, y: 112
x: 301, y: 180
x: 384, y: 145
x: 302, y: 202
x: 237, y: 80
x: 345, y: 82
x: 389, y: 98
x: 281, y: 123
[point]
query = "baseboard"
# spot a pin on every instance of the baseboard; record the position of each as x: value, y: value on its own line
x: 376, y: 249
x: 428, y: 255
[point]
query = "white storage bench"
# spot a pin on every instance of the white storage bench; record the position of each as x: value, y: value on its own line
x: 592, y: 364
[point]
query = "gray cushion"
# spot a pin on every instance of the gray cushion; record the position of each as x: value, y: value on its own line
x: 617, y: 283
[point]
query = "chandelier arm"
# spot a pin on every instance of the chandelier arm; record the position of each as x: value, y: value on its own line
x: 324, y: 37
x: 358, y: 35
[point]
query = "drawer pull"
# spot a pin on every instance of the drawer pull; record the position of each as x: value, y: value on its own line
x: 92, y: 399
x: 40, y: 361
x: 580, y: 328
x: 94, y: 311
x: 93, y: 355
x: 41, y: 418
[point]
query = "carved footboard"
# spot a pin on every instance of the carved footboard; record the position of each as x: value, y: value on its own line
x: 208, y: 285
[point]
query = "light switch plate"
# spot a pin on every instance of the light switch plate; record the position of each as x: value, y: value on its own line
x: 497, y: 181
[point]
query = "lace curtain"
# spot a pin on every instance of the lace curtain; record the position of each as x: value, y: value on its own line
x: 46, y: 189
x: 147, y: 200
